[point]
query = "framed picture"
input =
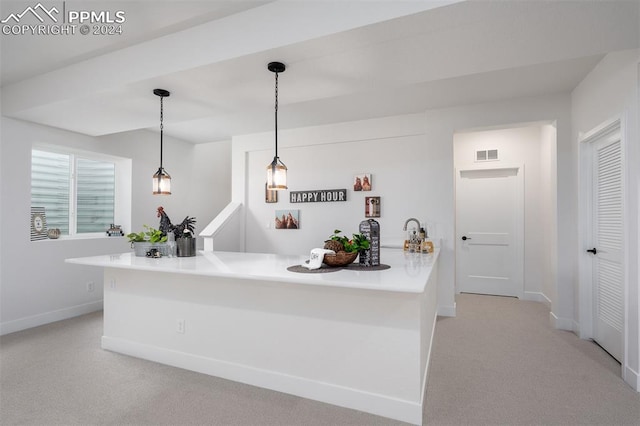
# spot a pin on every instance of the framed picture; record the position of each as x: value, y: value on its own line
x: 287, y: 219
x: 270, y: 196
x: 372, y: 206
x: 38, y: 224
x: 362, y: 182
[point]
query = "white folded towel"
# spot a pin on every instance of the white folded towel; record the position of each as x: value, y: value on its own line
x: 316, y: 257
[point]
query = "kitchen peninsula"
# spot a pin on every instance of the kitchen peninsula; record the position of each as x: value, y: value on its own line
x: 357, y: 339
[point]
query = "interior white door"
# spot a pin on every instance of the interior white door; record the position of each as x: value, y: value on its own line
x: 607, y: 251
x: 489, y: 221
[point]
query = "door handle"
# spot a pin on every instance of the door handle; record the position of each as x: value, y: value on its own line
x: 465, y: 238
x: 593, y: 250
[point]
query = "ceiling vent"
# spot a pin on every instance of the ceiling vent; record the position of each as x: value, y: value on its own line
x: 487, y: 155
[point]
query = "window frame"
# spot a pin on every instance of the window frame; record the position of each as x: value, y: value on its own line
x: 122, y: 187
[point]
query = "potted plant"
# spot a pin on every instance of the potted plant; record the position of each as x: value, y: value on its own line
x: 143, y: 242
x: 346, y: 249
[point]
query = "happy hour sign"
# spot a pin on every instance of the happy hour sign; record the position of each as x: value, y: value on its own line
x: 318, y: 196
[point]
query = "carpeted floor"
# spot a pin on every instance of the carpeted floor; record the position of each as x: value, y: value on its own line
x: 497, y: 363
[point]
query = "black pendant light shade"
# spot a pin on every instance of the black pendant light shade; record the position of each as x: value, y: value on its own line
x: 161, y: 179
x: 276, y: 171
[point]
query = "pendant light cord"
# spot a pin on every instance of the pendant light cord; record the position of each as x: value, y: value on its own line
x: 161, y: 127
x: 276, y: 114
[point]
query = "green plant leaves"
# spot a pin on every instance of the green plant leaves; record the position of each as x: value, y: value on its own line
x: 136, y: 237
x: 357, y: 243
x: 152, y: 235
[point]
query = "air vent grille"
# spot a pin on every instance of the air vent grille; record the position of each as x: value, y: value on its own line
x: 487, y: 155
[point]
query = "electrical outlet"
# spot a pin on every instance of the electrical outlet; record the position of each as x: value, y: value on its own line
x: 180, y: 326
x: 112, y: 283
x: 91, y: 286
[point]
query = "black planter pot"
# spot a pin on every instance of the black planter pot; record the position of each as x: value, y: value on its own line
x: 186, y: 247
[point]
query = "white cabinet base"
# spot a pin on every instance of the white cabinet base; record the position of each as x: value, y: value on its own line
x: 364, y: 349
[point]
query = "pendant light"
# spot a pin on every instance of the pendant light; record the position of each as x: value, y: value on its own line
x: 276, y: 171
x: 161, y: 180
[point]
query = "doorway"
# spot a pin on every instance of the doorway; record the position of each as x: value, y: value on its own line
x: 602, y: 260
x: 489, y: 228
x: 511, y: 171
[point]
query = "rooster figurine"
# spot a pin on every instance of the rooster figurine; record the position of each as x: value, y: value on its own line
x: 178, y: 230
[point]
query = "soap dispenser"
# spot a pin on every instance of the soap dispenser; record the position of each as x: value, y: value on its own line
x: 414, y: 242
x: 427, y: 244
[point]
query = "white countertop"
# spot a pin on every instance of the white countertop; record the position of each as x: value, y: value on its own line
x: 409, y: 272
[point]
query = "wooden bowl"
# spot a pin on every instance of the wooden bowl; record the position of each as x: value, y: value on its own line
x: 341, y: 258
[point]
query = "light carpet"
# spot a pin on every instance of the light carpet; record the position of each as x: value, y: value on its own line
x: 497, y: 363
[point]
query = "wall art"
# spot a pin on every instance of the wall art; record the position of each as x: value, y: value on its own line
x: 38, y: 224
x: 362, y: 182
x: 287, y: 219
x: 318, y: 196
x: 372, y: 206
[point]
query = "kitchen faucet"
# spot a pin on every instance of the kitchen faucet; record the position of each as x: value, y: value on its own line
x: 409, y: 220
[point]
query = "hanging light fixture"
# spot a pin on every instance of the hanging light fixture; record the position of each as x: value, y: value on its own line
x: 276, y: 171
x: 161, y: 179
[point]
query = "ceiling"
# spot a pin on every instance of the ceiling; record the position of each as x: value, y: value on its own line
x: 346, y: 60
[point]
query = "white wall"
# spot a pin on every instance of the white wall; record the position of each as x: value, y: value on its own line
x: 37, y: 287
x: 530, y: 147
x: 210, y: 190
x: 144, y: 147
x: 610, y: 91
x: 333, y: 167
x: 411, y: 159
x: 200, y: 177
x: 549, y: 203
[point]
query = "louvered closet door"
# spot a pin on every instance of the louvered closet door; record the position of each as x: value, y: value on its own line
x: 608, y: 272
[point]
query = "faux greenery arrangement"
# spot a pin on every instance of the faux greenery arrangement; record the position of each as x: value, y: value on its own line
x: 357, y: 243
x: 151, y: 235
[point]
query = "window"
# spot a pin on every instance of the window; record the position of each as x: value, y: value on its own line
x: 78, y: 191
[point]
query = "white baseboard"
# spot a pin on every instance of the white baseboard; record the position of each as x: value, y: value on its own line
x: 537, y: 296
x: 399, y: 409
x: 632, y: 378
x: 564, y: 323
x: 447, y: 311
x: 49, y: 317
